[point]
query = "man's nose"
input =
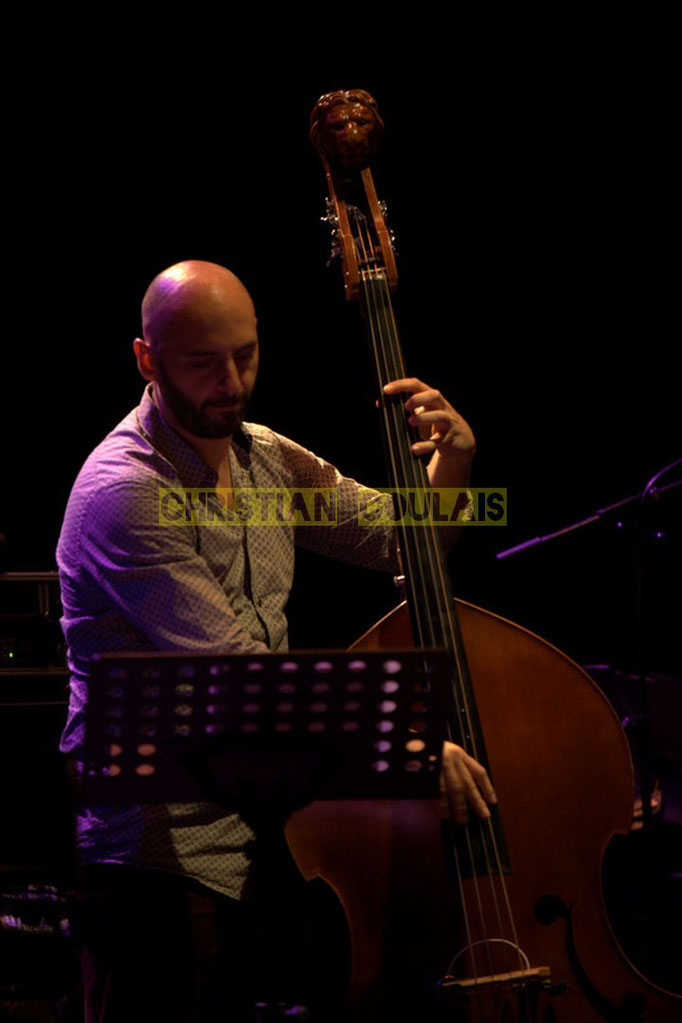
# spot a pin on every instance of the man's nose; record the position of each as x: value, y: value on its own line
x: 229, y: 378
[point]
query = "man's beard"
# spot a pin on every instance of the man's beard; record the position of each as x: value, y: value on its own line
x: 207, y: 420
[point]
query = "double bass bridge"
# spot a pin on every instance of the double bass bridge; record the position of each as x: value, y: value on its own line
x: 533, y: 975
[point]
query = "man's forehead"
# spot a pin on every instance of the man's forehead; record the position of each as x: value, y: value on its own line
x: 206, y: 297
x: 206, y: 309
x: 206, y: 333
x: 193, y: 346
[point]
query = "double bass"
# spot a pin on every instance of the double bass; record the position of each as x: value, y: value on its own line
x: 499, y: 920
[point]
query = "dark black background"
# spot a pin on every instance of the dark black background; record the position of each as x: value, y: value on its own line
x: 528, y: 172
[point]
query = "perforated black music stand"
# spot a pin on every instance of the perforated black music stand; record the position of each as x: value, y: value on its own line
x: 277, y: 728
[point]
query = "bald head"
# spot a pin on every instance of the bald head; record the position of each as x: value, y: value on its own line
x: 200, y: 347
x: 192, y: 298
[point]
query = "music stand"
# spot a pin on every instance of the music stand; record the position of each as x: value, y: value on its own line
x: 258, y: 732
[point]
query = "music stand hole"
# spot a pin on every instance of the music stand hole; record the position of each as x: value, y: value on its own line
x: 415, y: 746
x: 219, y: 669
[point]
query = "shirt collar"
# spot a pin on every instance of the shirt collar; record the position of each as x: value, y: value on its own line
x: 192, y: 469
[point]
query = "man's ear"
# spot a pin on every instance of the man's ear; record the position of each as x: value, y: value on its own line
x: 146, y: 363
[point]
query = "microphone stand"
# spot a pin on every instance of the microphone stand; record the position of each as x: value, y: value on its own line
x: 643, y: 534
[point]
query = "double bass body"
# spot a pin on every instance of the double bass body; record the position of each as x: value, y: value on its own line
x: 562, y: 771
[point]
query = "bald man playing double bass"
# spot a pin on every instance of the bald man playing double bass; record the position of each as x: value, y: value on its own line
x: 184, y: 915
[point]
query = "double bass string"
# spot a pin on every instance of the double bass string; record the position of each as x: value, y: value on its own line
x: 389, y: 362
x: 403, y: 465
x: 389, y: 365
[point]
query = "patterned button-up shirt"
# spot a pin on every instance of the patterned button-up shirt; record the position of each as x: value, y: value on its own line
x: 130, y: 583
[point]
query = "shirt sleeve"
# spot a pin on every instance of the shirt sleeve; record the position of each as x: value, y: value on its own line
x: 151, y: 575
x: 374, y: 546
